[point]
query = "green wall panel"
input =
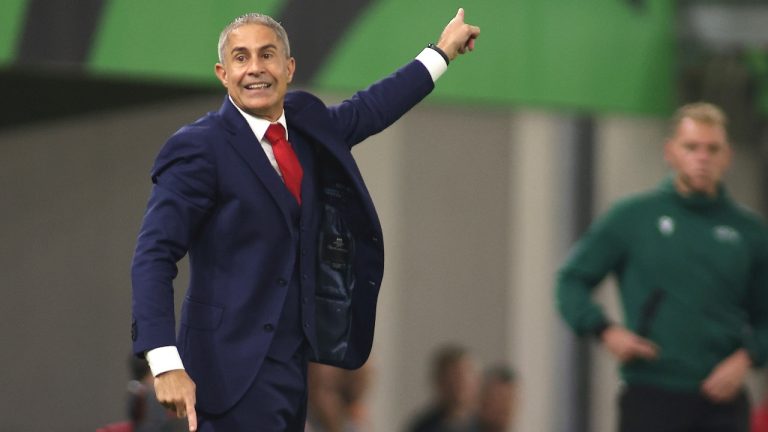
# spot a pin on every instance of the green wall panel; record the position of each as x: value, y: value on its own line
x: 594, y: 55
x: 598, y: 55
x: 11, y: 20
x: 168, y: 39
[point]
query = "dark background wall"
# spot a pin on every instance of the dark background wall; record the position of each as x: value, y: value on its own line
x: 73, y: 193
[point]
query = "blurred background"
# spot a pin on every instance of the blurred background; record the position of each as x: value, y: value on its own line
x: 481, y: 189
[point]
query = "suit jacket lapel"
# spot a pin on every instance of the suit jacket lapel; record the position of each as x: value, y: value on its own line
x: 319, y: 131
x: 245, y: 143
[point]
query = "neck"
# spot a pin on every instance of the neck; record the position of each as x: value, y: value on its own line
x: 460, y: 412
x: 684, y: 188
x: 272, y: 118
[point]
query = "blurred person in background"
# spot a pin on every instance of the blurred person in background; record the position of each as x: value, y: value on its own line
x: 759, y: 415
x: 455, y: 383
x: 497, y: 400
x: 145, y: 413
x: 284, y: 243
x: 692, y: 270
x: 337, y: 398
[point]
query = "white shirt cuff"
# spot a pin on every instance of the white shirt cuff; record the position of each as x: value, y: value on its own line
x: 433, y: 61
x: 164, y: 359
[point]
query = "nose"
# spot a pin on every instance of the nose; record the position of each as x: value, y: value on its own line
x: 703, y: 154
x: 255, y: 66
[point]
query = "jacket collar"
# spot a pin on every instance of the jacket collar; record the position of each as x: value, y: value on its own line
x: 695, y: 200
x: 241, y: 137
x: 314, y: 125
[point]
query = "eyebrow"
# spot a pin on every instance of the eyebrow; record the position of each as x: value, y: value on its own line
x: 241, y: 48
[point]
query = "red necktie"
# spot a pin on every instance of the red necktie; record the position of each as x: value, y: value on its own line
x: 286, y: 159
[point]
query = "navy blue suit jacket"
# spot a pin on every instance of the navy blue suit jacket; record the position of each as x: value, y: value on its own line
x: 215, y: 196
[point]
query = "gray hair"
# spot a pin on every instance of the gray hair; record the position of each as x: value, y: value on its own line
x: 254, y: 18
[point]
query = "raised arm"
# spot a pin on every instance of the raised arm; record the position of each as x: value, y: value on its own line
x: 370, y: 111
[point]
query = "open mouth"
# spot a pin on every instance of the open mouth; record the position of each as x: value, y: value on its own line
x: 258, y: 86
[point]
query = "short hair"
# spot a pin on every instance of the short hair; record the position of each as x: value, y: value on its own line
x: 702, y: 112
x: 445, y: 357
x: 500, y: 373
x: 254, y: 18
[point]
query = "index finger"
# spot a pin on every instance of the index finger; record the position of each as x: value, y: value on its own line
x: 191, y: 416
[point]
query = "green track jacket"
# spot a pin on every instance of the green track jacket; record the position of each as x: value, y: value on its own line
x: 693, y: 277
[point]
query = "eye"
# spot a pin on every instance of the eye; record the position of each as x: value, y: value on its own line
x: 240, y: 58
x: 267, y: 55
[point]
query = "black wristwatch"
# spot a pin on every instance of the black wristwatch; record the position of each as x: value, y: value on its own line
x: 441, y: 52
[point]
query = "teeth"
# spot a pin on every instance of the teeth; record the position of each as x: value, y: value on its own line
x: 257, y: 86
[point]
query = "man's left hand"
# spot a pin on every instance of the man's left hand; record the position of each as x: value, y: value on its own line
x: 458, y: 37
x: 727, y: 378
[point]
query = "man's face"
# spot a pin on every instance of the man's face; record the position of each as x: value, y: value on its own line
x: 700, y: 155
x: 458, y: 384
x: 497, y: 405
x: 256, y: 70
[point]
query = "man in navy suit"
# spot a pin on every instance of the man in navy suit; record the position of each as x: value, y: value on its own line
x: 284, y: 243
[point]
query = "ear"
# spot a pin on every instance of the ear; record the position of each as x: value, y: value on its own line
x: 291, y: 68
x: 221, y: 73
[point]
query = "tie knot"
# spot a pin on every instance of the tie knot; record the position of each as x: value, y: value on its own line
x: 275, y: 133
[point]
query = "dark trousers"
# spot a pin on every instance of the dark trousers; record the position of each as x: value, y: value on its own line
x: 652, y: 409
x: 275, y: 402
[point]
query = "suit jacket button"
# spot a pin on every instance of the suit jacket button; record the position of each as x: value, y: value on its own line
x: 269, y: 327
x: 281, y: 282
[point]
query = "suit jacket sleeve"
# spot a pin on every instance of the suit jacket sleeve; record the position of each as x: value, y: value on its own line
x: 182, y: 194
x: 370, y: 111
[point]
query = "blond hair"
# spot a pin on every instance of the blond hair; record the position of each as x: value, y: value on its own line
x: 701, y: 112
